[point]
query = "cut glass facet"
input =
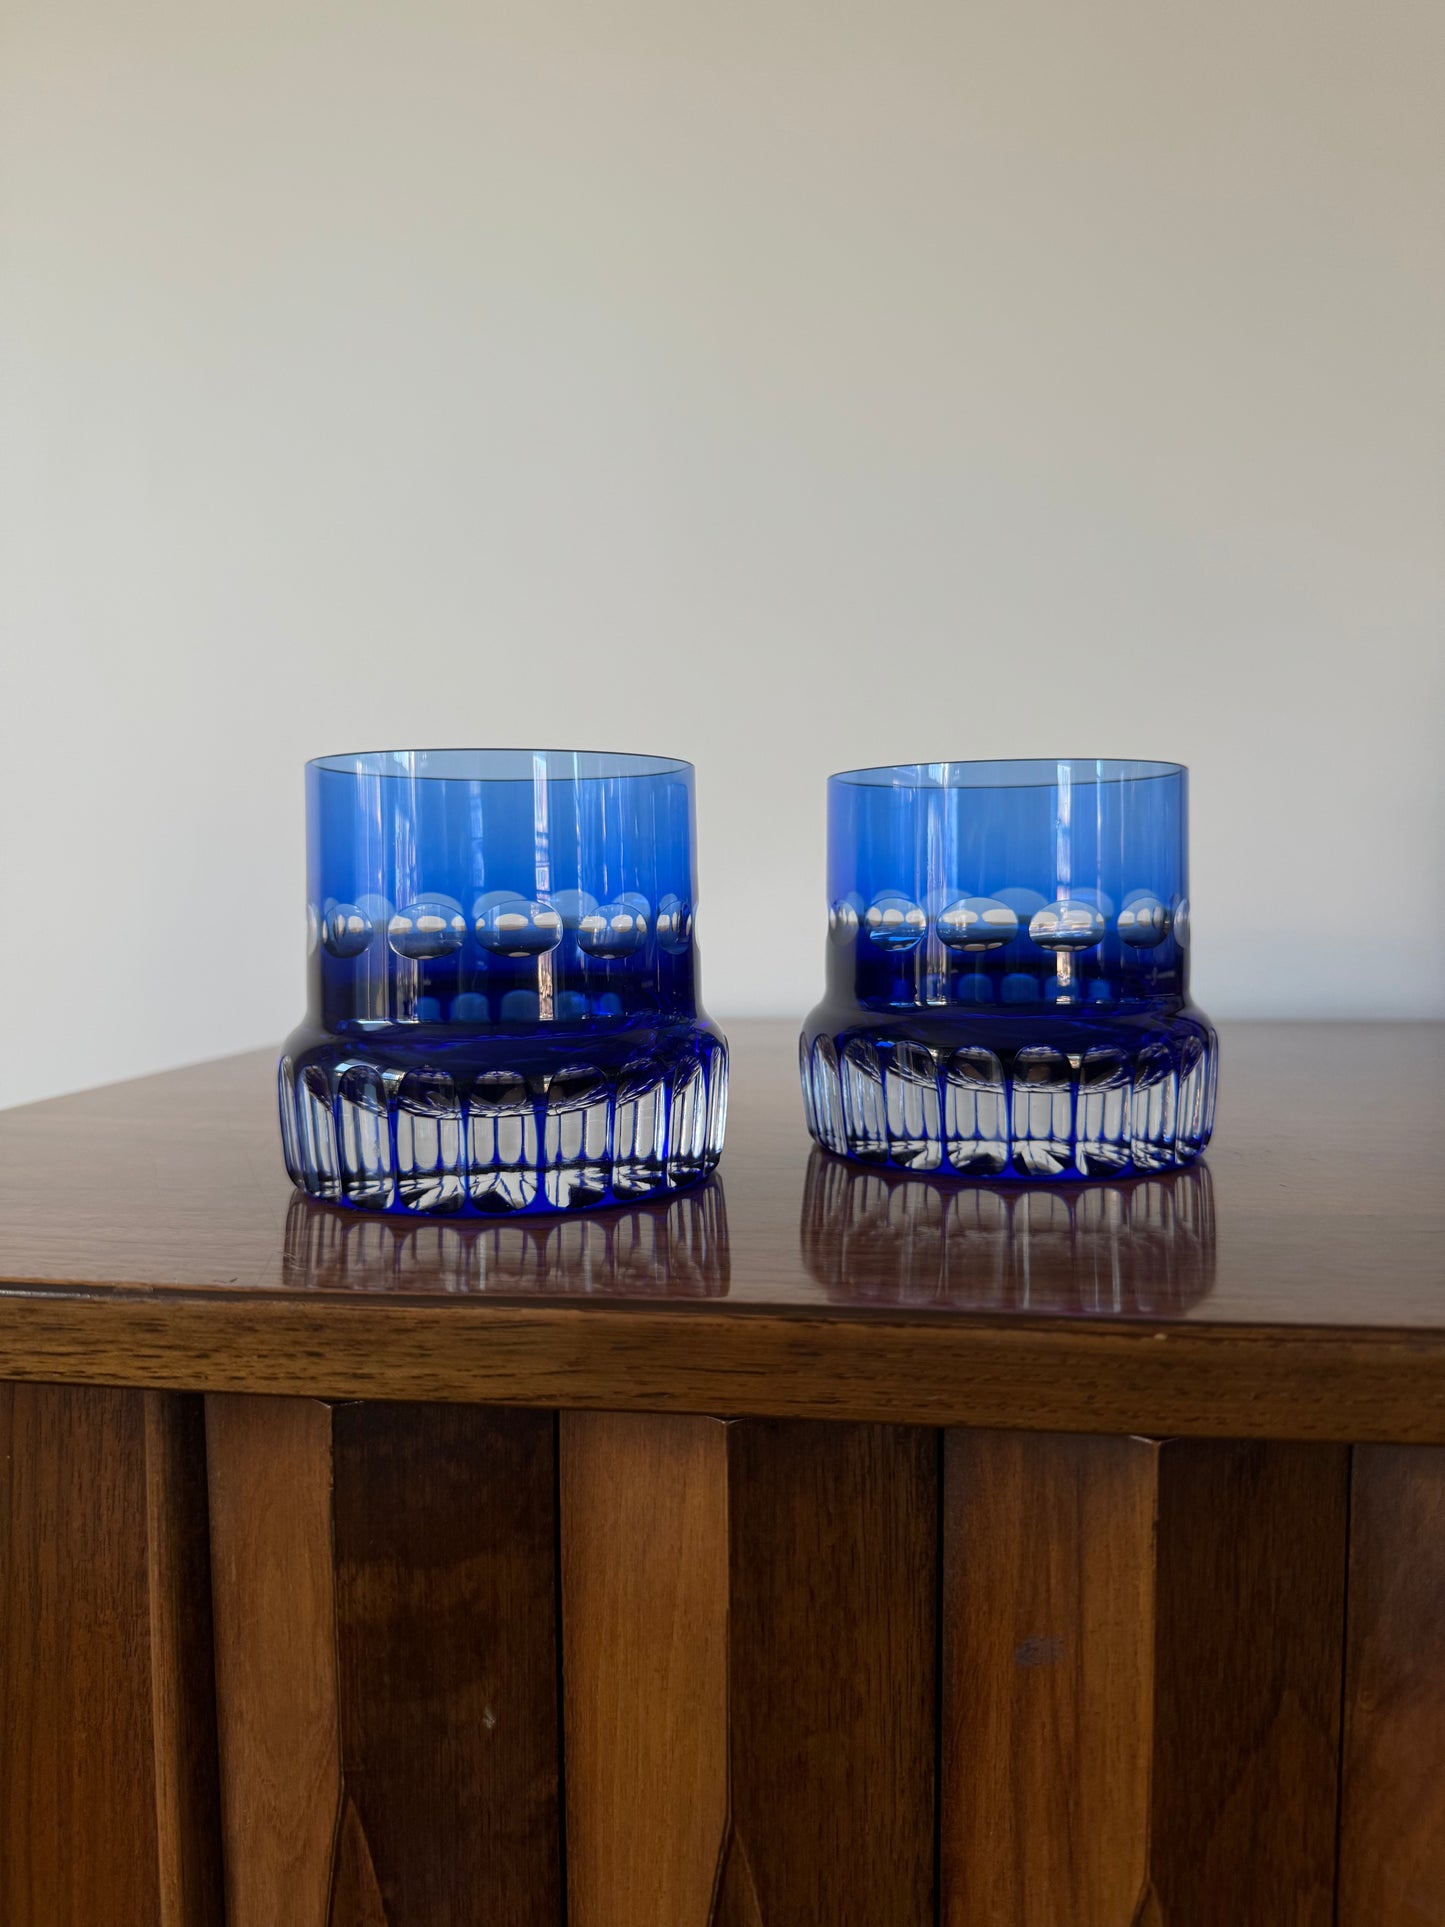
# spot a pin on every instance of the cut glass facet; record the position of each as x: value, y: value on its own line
x: 1007, y: 967
x: 544, y: 1051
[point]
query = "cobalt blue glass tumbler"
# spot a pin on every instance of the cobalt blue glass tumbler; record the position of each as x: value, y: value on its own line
x: 1008, y: 973
x: 503, y: 1011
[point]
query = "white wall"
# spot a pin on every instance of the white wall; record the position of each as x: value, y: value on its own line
x: 785, y: 383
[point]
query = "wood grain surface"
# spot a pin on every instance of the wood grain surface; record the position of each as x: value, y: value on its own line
x: 1048, y: 1686
x: 274, y: 1595
x: 386, y: 1664
x: 446, y: 1597
x: 107, y: 1794
x: 1392, y: 1833
x: 1142, y: 1647
x: 749, y: 1642
x: 644, y: 1509
x: 1249, y: 1645
x: 183, y: 1709
x: 1295, y: 1288
x: 832, y: 1645
x: 1196, y: 1381
x: 1323, y: 1208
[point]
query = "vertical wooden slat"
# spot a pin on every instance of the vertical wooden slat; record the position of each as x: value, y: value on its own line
x: 644, y: 1615
x: 107, y: 1814
x: 276, y: 1687
x: 385, y: 1583
x: 1248, y: 1655
x: 832, y: 1658
x: 446, y: 1613
x: 183, y: 1714
x: 812, y: 1550
x: 1142, y: 1651
x: 1392, y: 1833
x: 1048, y: 1677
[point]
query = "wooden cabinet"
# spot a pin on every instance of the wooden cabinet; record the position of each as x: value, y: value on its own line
x: 803, y: 1552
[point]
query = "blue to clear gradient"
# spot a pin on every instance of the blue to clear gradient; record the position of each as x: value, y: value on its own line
x: 539, y: 886
x: 502, y: 1013
x: 1008, y: 973
x: 921, y: 839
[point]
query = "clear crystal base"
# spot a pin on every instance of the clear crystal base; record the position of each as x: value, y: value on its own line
x: 1049, y: 1096
x: 416, y: 1119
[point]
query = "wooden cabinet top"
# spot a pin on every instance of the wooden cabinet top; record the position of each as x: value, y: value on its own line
x: 1293, y: 1286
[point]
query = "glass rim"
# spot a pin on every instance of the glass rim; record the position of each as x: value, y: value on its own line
x: 605, y: 765
x: 1008, y: 772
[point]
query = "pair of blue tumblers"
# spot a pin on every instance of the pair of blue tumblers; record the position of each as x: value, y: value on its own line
x: 503, y: 1010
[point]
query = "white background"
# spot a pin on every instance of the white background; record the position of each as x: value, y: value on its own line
x: 787, y: 384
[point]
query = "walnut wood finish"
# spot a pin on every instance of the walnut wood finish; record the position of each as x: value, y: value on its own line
x: 645, y: 1665
x: 1143, y: 1655
x: 275, y: 1614
x: 108, y: 1788
x: 749, y: 1651
x: 1296, y: 1290
x: 1392, y: 1835
x: 386, y: 1664
x: 1142, y: 1649
x: 1115, y: 1377
x: 833, y: 1670
x: 183, y: 1701
x: 1142, y: 1642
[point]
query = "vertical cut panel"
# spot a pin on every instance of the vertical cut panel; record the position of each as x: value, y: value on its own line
x: 749, y: 1653
x: 275, y: 1613
x: 385, y: 1581
x: 1392, y: 1833
x: 1142, y: 1653
x: 1047, y: 1679
x: 447, y: 1657
x: 832, y: 1678
x: 644, y: 1613
x: 107, y: 1793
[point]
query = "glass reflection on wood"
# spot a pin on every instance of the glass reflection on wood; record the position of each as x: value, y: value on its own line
x: 1143, y: 1246
x: 674, y: 1250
